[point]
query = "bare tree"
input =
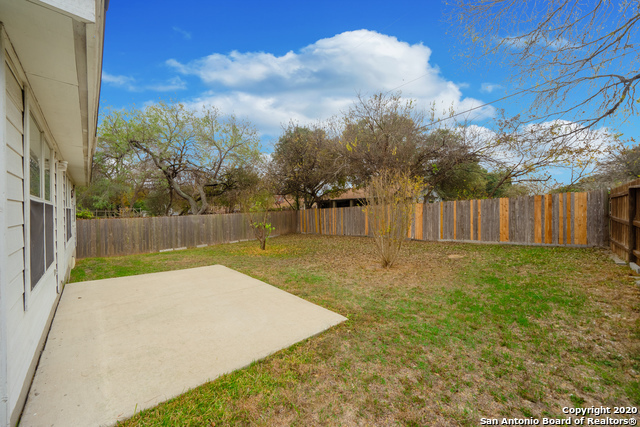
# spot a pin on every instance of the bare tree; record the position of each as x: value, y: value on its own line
x: 582, y: 56
x: 391, y: 197
x: 620, y: 166
x: 533, y: 154
x: 383, y: 132
x: 388, y: 133
x: 452, y: 151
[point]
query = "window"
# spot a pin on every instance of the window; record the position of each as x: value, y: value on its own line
x: 68, y: 210
x: 41, y: 223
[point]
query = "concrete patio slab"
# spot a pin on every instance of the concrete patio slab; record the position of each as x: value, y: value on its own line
x: 121, y: 345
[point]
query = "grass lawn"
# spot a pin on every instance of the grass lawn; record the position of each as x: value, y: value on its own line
x: 453, y: 333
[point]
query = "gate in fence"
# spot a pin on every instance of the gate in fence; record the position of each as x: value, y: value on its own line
x: 625, y: 221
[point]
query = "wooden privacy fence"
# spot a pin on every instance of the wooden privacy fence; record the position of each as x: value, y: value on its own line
x: 625, y: 221
x: 126, y: 236
x: 577, y: 219
x: 554, y: 219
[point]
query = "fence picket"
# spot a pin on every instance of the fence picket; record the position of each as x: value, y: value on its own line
x: 565, y: 219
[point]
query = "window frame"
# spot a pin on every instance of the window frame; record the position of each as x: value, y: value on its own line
x: 68, y: 210
x: 40, y: 247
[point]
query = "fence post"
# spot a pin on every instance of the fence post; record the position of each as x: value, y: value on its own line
x: 632, y: 216
x: 98, y: 239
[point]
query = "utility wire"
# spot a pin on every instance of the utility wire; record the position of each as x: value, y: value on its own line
x: 424, y: 75
x: 479, y: 106
x: 466, y: 111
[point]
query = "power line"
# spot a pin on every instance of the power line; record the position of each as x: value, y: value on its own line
x: 479, y: 106
x: 424, y: 75
x: 466, y: 111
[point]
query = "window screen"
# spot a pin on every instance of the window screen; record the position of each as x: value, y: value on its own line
x: 48, y: 225
x: 47, y: 174
x: 37, y: 241
x: 69, y: 229
x: 35, y: 159
x: 34, y: 170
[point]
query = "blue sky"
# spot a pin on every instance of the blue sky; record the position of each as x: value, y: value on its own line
x: 271, y: 62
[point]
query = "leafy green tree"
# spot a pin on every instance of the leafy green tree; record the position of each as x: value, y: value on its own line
x: 190, y: 150
x: 228, y: 191
x: 465, y: 181
x: 306, y: 165
x: 505, y: 188
x: 119, y: 178
x: 472, y: 181
x: 256, y: 203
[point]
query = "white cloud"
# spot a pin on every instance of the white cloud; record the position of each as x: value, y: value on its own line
x: 185, y: 34
x: 130, y: 84
x: 173, y: 84
x: 489, y: 87
x: 116, y: 80
x: 576, y: 149
x: 321, y: 79
x: 539, y: 137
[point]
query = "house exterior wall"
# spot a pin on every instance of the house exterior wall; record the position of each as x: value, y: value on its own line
x: 66, y: 244
x: 27, y: 310
x: 4, y: 395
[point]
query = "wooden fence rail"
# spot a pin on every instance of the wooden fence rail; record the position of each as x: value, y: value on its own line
x: 126, y: 236
x: 554, y: 219
x: 579, y: 219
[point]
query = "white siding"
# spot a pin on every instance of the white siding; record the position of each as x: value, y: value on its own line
x: 14, y: 88
x: 25, y: 313
x: 15, y: 288
x: 14, y: 163
x: 15, y: 239
x: 14, y: 188
x: 14, y: 269
x: 14, y: 244
x: 14, y: 117
x: 14, y: 214
x: 25, y: 327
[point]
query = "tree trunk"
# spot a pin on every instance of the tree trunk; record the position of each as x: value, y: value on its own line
x: 170, y: 202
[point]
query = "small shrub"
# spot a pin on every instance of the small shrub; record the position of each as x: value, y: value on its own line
x: 256, y: 206
x: 389, y: 208
x: 84, y: 214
